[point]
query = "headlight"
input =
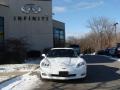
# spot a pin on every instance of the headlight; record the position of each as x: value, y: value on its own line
x: 80, y: 64
x: 45, y: 64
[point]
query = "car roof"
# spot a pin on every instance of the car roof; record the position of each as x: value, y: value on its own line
x: 62, y: 48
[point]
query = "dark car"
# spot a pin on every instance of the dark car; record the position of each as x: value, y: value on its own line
x: 112, y: 51
x: 101, y: 52
x: 76, y: 48
x: 46, y: 50
x: 117, y: 52
x: 107, y: 50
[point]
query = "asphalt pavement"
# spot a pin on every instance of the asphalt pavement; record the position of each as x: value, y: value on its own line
x: 103, y: 74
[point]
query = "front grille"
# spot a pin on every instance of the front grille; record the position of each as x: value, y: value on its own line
x: 56, y: 75
x: 63, y: 74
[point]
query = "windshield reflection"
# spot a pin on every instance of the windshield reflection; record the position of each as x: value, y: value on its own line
x: 61, y: 53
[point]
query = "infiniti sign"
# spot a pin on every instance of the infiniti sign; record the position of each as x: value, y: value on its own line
x: 31, y: 8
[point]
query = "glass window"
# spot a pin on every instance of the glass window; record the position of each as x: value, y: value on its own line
x: 56, y: 31
x: 62, y: 32
x: 1, y: 38
x: 1, y: 19
x: 1, y: 23
x: 59, y: 37
x: 56, y: 35
x: 1, y: 29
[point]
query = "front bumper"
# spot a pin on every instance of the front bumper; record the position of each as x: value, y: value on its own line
x: 73, y: 74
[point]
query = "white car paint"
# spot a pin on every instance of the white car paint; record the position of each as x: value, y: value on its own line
x: 58, y: 64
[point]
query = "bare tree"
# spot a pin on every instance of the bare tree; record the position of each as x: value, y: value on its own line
x: 101, y: 36
x: 103, y: 28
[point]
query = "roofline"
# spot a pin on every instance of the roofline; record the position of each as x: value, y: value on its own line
x: 58, y: 21
x: 34, y: 0
x: 42, y: 0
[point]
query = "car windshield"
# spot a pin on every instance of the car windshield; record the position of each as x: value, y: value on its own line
x: 61, y: 53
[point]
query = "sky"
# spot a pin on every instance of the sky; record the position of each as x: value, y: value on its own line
x: 76, y: 13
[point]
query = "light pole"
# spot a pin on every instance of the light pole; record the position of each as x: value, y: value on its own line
x: 115, y: 28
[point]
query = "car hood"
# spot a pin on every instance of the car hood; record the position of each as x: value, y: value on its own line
x: 67, y: 61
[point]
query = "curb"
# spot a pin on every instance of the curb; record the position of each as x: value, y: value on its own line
x: 10, y: 79
x: 18, y: 75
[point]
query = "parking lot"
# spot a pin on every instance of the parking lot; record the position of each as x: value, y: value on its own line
x: 103, y: 74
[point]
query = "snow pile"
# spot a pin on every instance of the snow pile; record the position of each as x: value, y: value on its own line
x: 16, y: 67
x: 7, y: 68
x: 93, y: 53
x: 3, y: 78
x: 27, y: 66
x: 9, y: 84
x: 25, y: 82
x: 117, y: 59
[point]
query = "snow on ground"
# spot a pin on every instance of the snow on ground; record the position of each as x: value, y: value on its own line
x: 115, y: 58
x: 3, y: 78
x: 93, y: 53
x: 27, y: 66
x: 10, y: 70
x: 16, y: 67
x: 25, y: 82
x: 118, y: 60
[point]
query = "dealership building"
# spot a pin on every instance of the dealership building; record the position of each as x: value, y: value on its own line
x: 31, y: 20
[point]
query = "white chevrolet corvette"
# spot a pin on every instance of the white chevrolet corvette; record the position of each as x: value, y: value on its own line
x: 62, y: 64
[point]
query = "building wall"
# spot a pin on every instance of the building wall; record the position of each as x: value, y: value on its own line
x: 37, y: 33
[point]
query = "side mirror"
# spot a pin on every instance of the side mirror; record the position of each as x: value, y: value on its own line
x: 43, y: 55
